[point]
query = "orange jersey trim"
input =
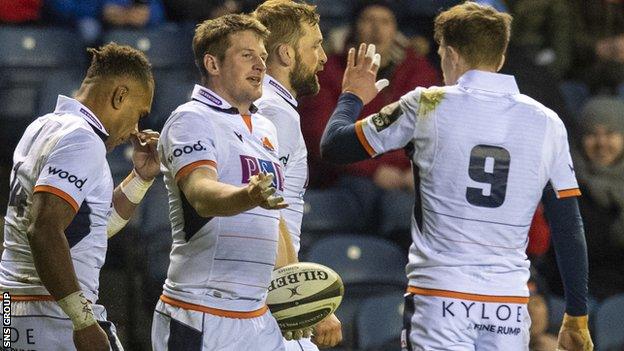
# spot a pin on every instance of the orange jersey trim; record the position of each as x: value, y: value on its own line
x: 32, y: 298
x: 247, y: 120
x: 186, y: 170
x: 467, y: 296
x: 58, y: 192
x: 359, y: 131
x: 214, y: 311
x: 568, y: 193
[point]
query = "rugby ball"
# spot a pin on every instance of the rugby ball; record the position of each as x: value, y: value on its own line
x: 302, y: 294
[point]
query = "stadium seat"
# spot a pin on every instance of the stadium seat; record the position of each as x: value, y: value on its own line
x: 609, y: 324
x: 173, y: 88
x: 397, y: 208
x: 332, y: 210
x: 29, y: 47
x: 168, y: 46
x: 361, y: 261
x: 379, y: 322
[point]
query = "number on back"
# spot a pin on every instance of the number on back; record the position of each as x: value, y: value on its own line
x: 489, y: 165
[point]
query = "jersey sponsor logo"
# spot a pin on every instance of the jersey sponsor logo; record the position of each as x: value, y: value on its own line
x: 388, y: 115
x: 501, y: 312
x: 186, y: 149
x: 493, y: 328
x: 251, y: 166
x: 215, y: 100
x: 78, y: 183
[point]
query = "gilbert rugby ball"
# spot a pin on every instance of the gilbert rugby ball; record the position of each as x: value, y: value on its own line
x: 303, y: 294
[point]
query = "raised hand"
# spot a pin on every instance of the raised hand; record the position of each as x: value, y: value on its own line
x: 361, y: 73
x: 145, y: 156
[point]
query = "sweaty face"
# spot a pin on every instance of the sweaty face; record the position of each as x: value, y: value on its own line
x: 603, y: 146
x: 309, y: 60
x: 242, y: 69
x: 377, y: 25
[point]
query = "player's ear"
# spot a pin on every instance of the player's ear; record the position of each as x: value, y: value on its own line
x: 285, y: 54
x: 502, y: 62
x: 120, y: 95
x: 211, y: 64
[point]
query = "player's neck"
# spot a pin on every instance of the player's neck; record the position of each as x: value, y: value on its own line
x: 282, y: 76
x: 241, y: 106
x: 92, y: 98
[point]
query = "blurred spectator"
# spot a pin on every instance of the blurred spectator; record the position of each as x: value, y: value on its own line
x: 20, y: 11
x: 541, y: 340
x: 599, y: 167
x: 543, y: 28
x: 539, y: 235
x: 198, y: 10
x: 376, y: 24
x: 90, y: 15
x: 599, y: 29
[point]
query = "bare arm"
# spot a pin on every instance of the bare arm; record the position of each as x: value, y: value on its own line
x: 211, y: 198
x: 285, y: 249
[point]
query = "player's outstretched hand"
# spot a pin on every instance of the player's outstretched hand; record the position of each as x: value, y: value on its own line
x: 574, y: 334
x: 145, y: 155
x: 361, y: 73
x: 91, y: 338
x: 261, y: 192
x: 328, y: 333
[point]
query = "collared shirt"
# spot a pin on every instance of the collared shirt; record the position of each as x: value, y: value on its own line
x: 484, y: 153
x: 220, y: 262
x: 279, y: 106
x: 62, y: 153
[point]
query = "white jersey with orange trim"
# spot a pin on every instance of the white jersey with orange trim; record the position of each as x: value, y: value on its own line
x: 222, y: 262
x: 484, y: 153
x: 279, y: 106
x: 62, y: 153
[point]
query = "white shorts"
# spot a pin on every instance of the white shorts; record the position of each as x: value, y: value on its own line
x: 176, y: 328
x: 304, y: 344
x: 460, y: 324
x: 42, y: 325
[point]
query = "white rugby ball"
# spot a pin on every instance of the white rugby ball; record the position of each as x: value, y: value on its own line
x: 302, y: 294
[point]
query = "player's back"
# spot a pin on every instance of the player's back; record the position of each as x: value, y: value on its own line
x: 485, y: 153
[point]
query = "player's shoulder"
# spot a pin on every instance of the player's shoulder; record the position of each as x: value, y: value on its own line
x: 539, y: 110
x: 191, y: 115
x: 74, y: 129
x: 427, y: 99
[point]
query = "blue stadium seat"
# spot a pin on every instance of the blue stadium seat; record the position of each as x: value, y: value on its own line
x: 332, y: 210
x: 396, y: 213
x: 362, y: 262
x: 57, y: 83
x: 168, y: 46
x: 608, y: 324
x: 379, y: 322
x: 173, y: 88
x: 29, y: 47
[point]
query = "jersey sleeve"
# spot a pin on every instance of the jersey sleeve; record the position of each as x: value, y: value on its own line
x: 391, y: 128
x: 188, y: 143
x: 562, y: 176
x: 72, y: 167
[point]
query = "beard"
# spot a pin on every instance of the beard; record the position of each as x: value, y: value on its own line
x: 303, y: 82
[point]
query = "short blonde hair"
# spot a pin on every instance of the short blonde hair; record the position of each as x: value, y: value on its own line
x: 284, y: 18
x: 213, y: 36
x: 480, y: 33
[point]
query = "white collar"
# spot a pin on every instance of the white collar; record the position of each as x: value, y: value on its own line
x: 489, y: 81
x: 210, y: 98
x: 272, y: 83
x: 66, y: 104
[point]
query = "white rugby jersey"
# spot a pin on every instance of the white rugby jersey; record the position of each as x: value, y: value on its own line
x: 484, y: 153
x: 279, y: 106
x: 220, y: 262
x: 61, y: 153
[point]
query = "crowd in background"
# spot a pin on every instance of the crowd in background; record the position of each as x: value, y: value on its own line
x: 567, y: 54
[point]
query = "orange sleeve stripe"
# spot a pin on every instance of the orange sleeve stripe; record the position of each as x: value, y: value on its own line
x: 32, y: 298
x: 58, y: 192
x: 467, y: 296
x: 214, y: 311
x: 359, y: 131
x: 568, y: 193
x: 186, y: 170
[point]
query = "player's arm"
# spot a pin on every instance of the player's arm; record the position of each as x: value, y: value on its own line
x: 285, y: 249
x: 340, y: 142
x: 568, y: 239
x: 211, y: 198
x: 50, y: 216
x: 128, y: 194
